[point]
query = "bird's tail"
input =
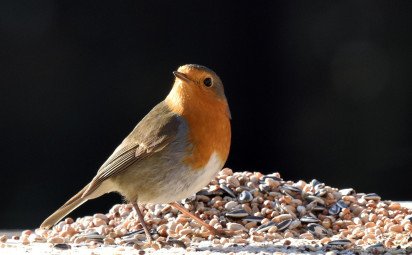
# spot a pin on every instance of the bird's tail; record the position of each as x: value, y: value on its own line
x: 65, y: 209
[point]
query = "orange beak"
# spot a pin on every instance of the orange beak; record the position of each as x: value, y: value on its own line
x: 181, y: 76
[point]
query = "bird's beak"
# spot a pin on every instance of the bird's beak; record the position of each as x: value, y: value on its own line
x: 181, y: 76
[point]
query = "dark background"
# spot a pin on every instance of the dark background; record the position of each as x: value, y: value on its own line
x: 316, y: 89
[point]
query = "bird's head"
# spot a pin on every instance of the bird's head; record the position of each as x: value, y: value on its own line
x: 197, y: 86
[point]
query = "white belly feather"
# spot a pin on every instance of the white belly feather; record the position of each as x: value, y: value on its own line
x: 179, y: 188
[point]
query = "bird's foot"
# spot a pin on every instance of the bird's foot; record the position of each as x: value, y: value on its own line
x: 214, y: 231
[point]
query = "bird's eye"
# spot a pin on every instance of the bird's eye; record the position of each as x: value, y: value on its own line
x: 207, y: 82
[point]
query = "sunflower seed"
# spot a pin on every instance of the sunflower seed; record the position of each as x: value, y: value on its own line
x: 347, y: 191
x: 253, y: 218
x: 372, y: 196
x: 295, y: 224
x: 316, y: 199
x: 309, y: 219
x: 208, y: 193
x: 140, y: 231
x: 342, y: 204
x: 283, y: 224
x: 317, y: 230
x: 264, y: 188
x: 227, y: 190
x: 245, y: 197
x: 237, y: 214
x: 265, y: 227
x: 272, y: 177
x: 314, y: 182
x: 291, y: 190
x: 340, y: 242
x: 321, y: 192
x: 93, y: 236
x: 334, y: 209
x: 377, y: 248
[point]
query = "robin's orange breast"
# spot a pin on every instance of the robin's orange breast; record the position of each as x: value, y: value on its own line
x: 209, y: 127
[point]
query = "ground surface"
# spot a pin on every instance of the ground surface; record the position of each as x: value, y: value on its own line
x: 286, y: 246
x: 263, y: 213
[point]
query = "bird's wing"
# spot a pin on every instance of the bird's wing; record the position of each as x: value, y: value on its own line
x: 153, y: 133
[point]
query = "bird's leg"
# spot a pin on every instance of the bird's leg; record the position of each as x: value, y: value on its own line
x: 141, y: 219
x: 213, y: 230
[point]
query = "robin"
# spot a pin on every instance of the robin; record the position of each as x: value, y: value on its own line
x: 173, y: 152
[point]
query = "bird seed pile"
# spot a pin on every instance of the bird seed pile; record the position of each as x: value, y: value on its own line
x: 255, y: 208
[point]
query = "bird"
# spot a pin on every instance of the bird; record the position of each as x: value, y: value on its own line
x: 172, y: 153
